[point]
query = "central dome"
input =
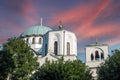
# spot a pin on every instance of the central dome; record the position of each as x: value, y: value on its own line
x: 36, y: 30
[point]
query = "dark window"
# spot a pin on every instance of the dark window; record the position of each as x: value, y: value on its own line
x: 39, y: 40
x: 92, y: 57
x: 102, y: 56
x: 33, y: 41
x: 55, y: 47
x: 97, y: 55
x: 45, y: 49
x: 27, y: 40
x: 68, y: 48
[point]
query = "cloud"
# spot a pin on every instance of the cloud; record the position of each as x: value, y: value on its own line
x: 28, y: 12
x: 108, y: 29
x: 85, y: 16
x: 72, y: 15
x: 82, y: 17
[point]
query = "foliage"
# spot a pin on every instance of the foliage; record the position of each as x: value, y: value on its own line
x: 110, y: 70
x: 6, y: 64
x: 60, y: 70
x: 22, y: 61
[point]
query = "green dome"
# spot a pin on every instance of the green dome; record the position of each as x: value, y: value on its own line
x: 36, y: 30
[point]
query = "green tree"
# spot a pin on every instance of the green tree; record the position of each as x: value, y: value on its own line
x: 60, y: 70
x: 6, y: 64
x: 110, y: 70
x: 21, y: 57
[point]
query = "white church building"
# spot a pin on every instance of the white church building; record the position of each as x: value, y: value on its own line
x: 54, y: 44
x: 51, y: 44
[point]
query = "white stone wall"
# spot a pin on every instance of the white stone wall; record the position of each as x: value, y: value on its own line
x: 62, y: 37
x: 93, y: 64
x: 51, y: 58
x: 37, y: 47
x: 92, y: 49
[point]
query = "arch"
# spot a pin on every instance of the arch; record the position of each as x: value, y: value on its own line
x: 92, y: 57
x: 102, y: 56
x: 97, y: 55
x: 55, y: 47
x: 68, y: 48
x: 33, y: 40
x: 40, y: 40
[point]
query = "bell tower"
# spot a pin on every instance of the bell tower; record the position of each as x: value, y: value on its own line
x: 95, y: 55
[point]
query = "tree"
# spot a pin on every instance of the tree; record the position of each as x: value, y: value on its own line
x: 6, y: 64
x: 60, y: 70
x: 22, y: 59
x: 110, y: 70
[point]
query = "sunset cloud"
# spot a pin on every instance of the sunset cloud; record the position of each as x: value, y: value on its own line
x: 86, y: 18
x: 28, y: 12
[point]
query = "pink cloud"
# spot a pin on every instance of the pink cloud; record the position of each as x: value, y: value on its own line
x: 114, y: 41
x: 89, y: 20
x: 3, y: 40
x: 86, y: 28
x: 97, y: 31
x: 85, y: 15
x: 110, y: 10
x: 75, y: 14
x: 27, y: 12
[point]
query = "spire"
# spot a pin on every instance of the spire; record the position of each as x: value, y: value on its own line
x: 41, y: 21
x: 96, y: 41
x: 60, y: 25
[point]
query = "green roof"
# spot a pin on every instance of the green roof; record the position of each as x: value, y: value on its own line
x: 36, y: 30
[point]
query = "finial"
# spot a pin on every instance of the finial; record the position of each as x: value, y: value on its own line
x: 60, y: 26
x: 41, y: 21
x: 96, y: 41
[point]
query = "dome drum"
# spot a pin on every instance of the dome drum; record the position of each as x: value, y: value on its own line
x: 35, y: 30
x: 32, y: 35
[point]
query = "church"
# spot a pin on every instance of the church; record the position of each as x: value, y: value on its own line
x: 53, y: 44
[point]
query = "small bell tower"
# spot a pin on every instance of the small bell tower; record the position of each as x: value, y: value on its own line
x: 95, y: 55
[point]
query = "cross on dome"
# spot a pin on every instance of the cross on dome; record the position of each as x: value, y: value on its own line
x: 41, y: 21
x: 96, y: 41
x: 60, y: 25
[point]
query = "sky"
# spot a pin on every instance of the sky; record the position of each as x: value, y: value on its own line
x: 88, y: 19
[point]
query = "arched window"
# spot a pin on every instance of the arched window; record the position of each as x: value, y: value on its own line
x: 68, y: 48
x: 97, y: 55
x: 33, y: 41
x: 39, y: 40
x: 92, y: 57
x: 55, y: 47
x: 27, y: 40
x: 102, y: 56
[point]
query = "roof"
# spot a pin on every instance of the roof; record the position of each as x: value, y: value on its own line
x: 36, y: 30
x: 97, y: 45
